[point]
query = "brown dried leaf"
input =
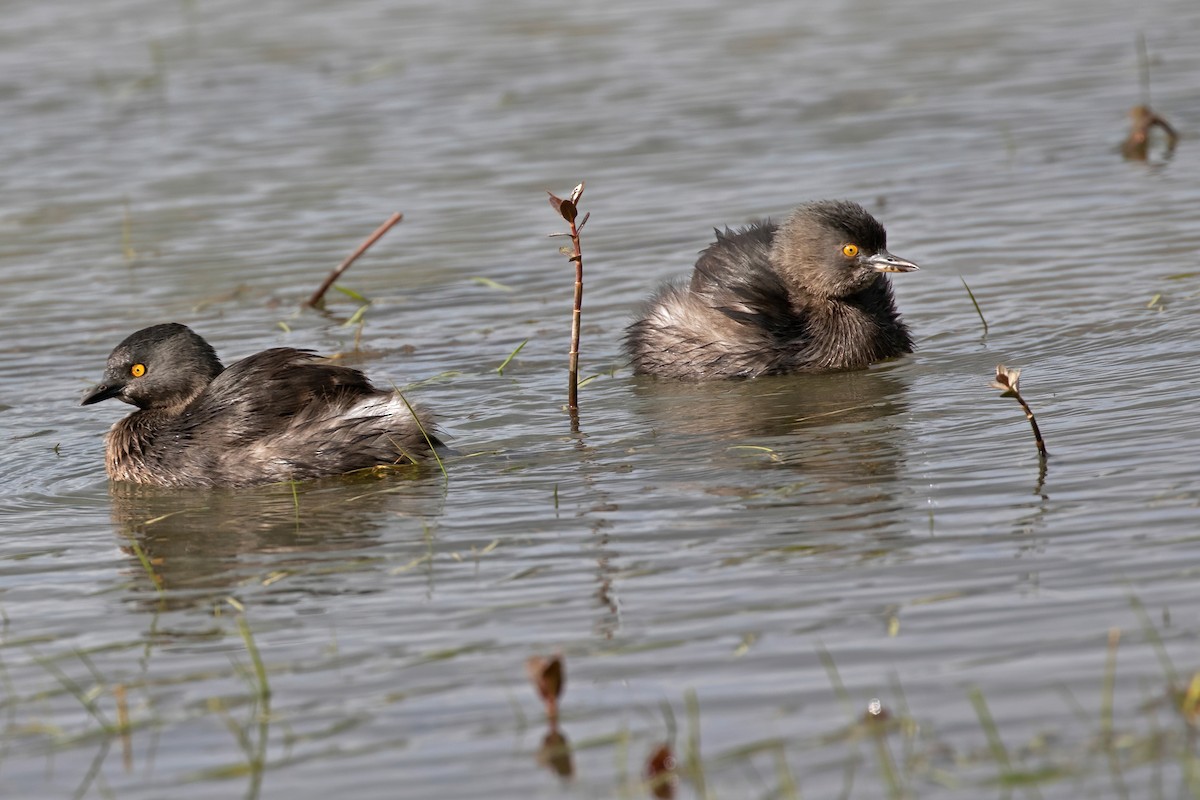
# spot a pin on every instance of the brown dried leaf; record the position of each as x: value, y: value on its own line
x: 1007, y: 380
x: 568, y: 211
x: 555, y: 754
x: 565, y: 208
x: 660, y: 773
x: 548, y: 676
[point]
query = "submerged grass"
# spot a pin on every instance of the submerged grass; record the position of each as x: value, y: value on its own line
x: 880, y: 747
x: 147, y: 566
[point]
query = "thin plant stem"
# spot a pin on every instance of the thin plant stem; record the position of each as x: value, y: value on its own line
x: 576, y: 319
x: 887, y: 766
x: 1037, y: 432
x: 350, y: 259
x: 835, y: 679
x: 260, y: 670
x: 511, y: 356
x: 569, y: 210
x: 1143, y: 68
x: 147, y: 566
x: 1107, y: 727
x: 1156, y: 642
x: 694, y: 760
x: 995, y: 744
x: 1008, y: 381
x: 424, y: 433
x: 1110, y: 679
x: 975, y: 303
x: 85, y: 699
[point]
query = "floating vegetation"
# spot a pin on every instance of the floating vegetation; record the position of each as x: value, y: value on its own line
x: 358, y: 319
x: 887, y: 749
x: 770, y: 453
x: 511, y: 356
x: 491, y: 284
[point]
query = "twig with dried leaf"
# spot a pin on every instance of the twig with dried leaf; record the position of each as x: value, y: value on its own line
x: 1143, y: 119
x: 661, y: 773
x: 548, y: 676
x: 350, y: 259
x: 569, y: 210
x: 1008, y: 381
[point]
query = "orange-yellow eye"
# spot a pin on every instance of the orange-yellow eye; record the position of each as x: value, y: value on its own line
x: 850, y: 250
x: 137, y: 370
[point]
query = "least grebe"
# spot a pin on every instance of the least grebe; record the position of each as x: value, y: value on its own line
x: 282, y: 414
x: 809, y: 295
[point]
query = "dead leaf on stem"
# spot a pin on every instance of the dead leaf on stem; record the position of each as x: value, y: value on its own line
x: 548, y: 676
x: 566, y: 208
x: 660, y: 773
x: 1007, y: 380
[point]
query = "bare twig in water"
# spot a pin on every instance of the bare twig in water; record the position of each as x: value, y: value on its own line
x: 975, y: 303
x: 1007, y: 381
x: 350, y: 259
x: 548, y: 676
x: 569, y: 210
x: 1136, y: 146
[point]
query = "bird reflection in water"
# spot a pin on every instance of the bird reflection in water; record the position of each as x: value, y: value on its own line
x: 838, y: 432
x: 195, y: 545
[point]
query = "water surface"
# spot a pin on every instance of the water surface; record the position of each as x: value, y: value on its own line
x: 775, y: 553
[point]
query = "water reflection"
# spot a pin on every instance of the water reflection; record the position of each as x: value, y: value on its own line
x: 773, y: 406
x: 835, y: 442
x: 192, y: 546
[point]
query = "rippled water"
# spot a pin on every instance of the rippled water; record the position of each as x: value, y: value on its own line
x: 736, y: 568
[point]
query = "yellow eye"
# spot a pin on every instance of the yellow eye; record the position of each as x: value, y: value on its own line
x: 137, y: 370
x: 850, y: 250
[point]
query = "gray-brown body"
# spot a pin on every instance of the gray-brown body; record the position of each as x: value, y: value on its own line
x: 282, y: 414
x: 768, y: 300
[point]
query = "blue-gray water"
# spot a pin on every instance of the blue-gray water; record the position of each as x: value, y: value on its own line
x: 209, y: 162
